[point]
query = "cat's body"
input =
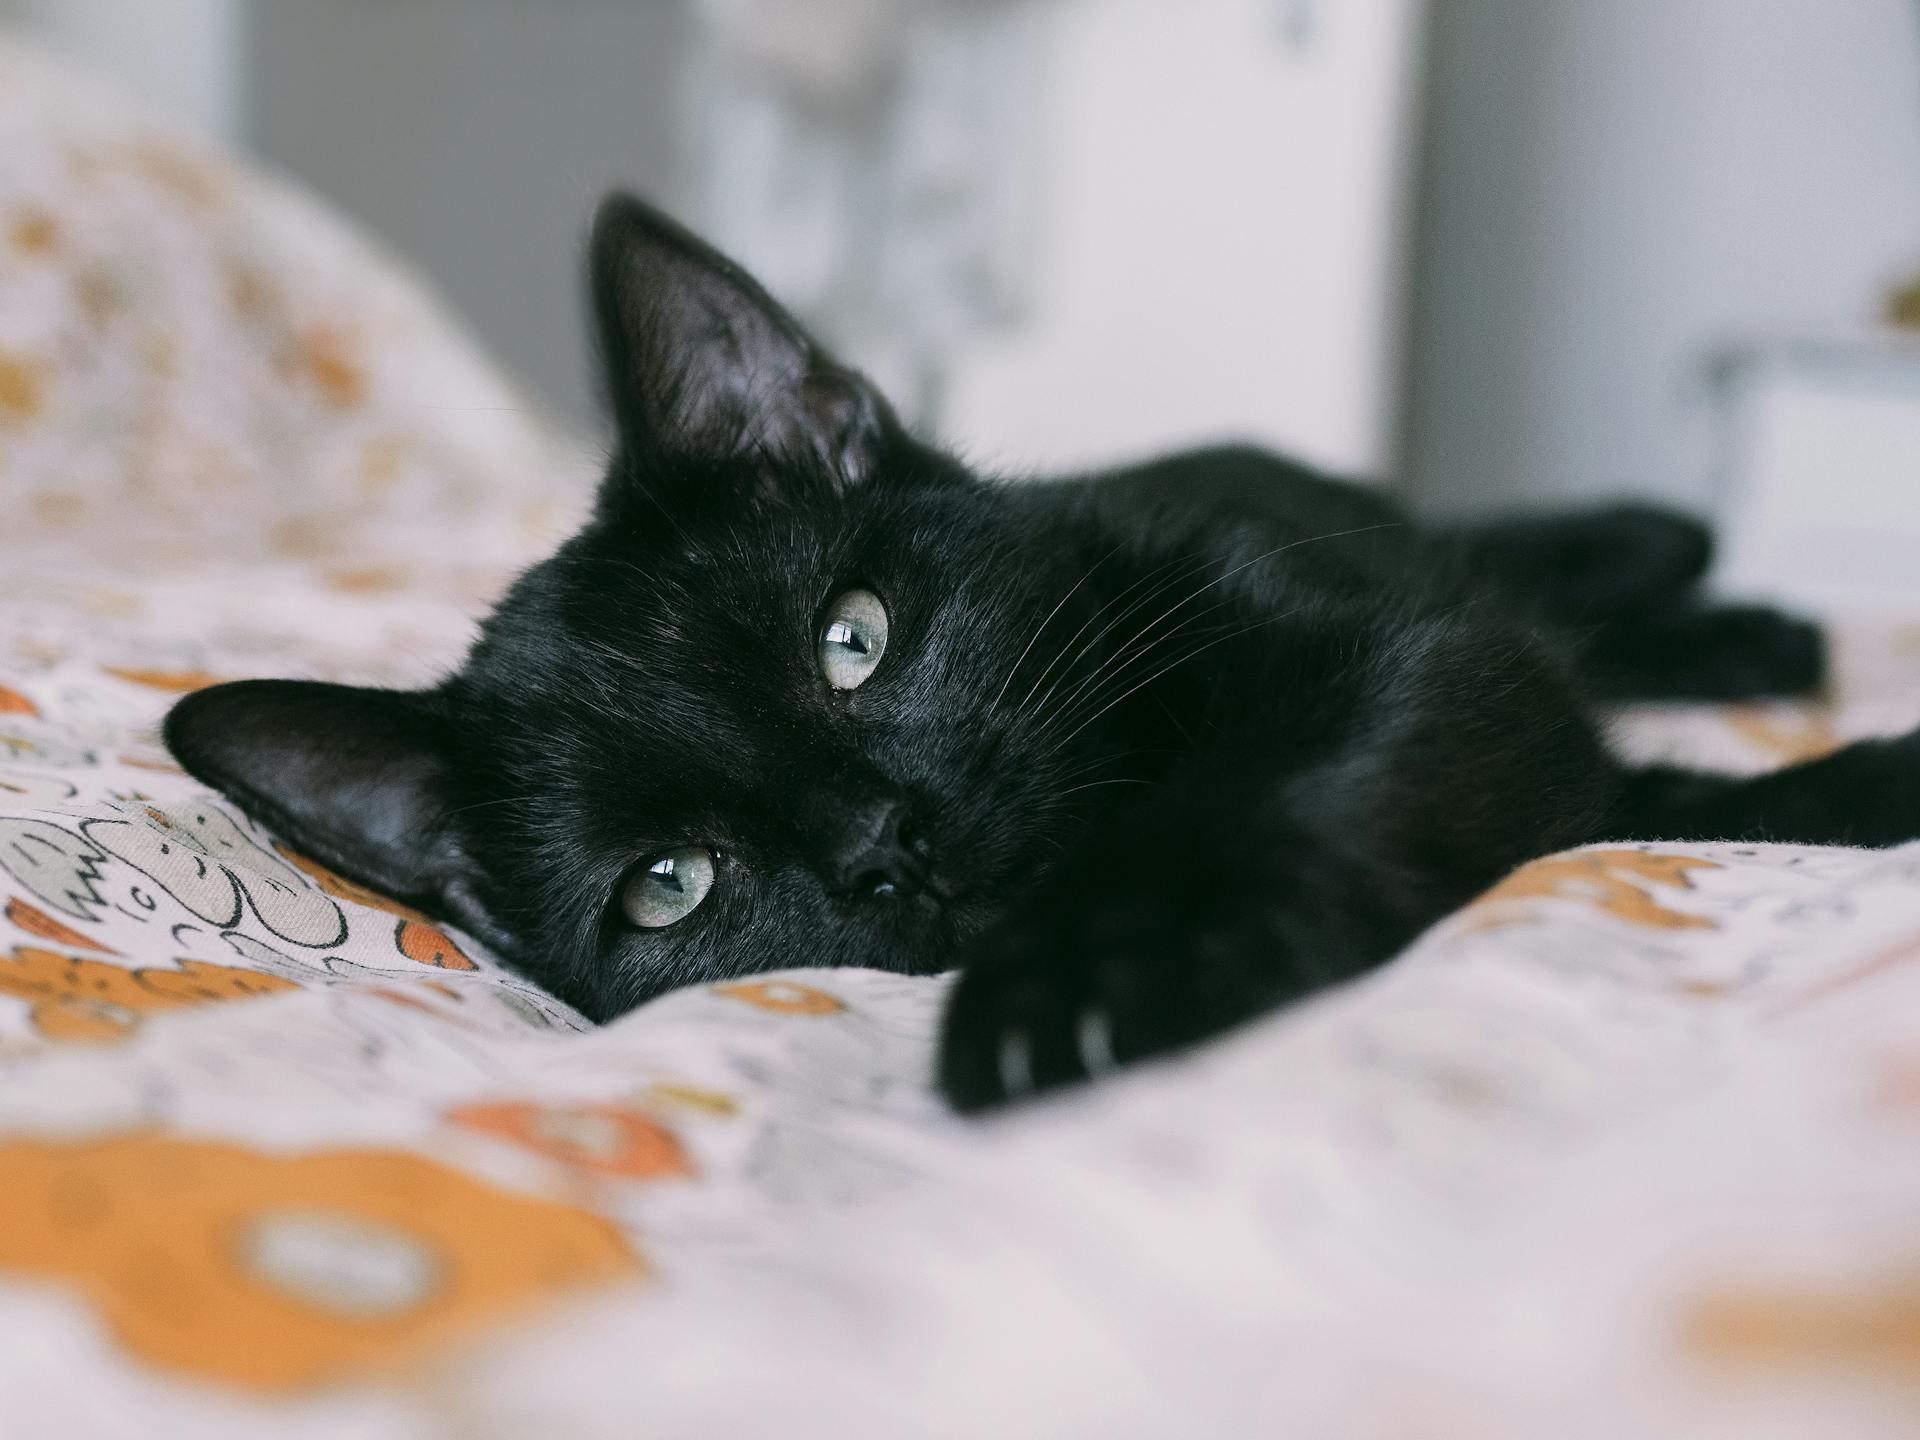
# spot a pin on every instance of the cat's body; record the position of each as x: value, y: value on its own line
x: 1146, y: 753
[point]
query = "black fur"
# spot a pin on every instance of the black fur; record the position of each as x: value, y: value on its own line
x: 1146, y: 753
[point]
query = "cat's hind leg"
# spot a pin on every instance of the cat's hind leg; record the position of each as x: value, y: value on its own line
x: 1622, y: 583
x: 1584, y: 566
x: 1702, y: 652
x: 1865, y: 794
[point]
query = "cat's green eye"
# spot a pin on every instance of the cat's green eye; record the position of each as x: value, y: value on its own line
x: 668, y: 887
x: 853, y: 637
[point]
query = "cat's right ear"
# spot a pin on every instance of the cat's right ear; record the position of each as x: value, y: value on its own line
x: 359, y: 779
x: 703, y: 365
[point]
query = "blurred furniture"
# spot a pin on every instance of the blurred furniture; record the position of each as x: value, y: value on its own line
x: 1219, y: 241
x: 876, y: 163
x: 1819, y: 467
x: 1611, y: 191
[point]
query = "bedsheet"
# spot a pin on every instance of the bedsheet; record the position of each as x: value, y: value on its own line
x: 1630, y: 1146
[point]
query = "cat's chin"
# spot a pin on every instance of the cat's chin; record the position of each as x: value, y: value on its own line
x: 962, y: 921
x: 924, y: 936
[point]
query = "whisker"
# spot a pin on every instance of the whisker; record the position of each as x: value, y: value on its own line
x: 1094, y: 703
x: 1015, y: 668
x: 1099, y: 762
x: 1071, y: 655
x: 1095, y: 784
x: 1190, y: 655
x: 490, y: 804
x: 1229, y: 574
x: 1067, y: 651
x: 1131, y: 651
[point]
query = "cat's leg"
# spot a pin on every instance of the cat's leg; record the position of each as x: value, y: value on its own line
x: 1622, y: 582
x: 1583, y: 566
x: 1865, y: 794
x: 1263, y: 871
x: 1715, y: 652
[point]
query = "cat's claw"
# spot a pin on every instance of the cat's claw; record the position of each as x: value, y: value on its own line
x: 1013, y: 1060
x: 1074, y: 993
x: 1095, y: 1044
x: 1016, y: 1065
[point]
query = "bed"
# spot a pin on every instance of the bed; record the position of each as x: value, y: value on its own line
x: 1628, y: 1147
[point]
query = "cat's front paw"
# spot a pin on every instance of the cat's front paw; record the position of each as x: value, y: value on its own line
x: 1072, y: 989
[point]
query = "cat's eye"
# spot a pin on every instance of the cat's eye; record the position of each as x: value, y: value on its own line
x: 853, y: 637
x: 668, y: 887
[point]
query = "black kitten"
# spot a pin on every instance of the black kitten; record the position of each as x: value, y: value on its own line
x: 1147, y: 753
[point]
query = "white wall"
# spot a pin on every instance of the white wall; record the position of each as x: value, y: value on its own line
x: 475, y: 136
x: 179, y: 55
x: 1615, y: 187
x: 1220, y: 236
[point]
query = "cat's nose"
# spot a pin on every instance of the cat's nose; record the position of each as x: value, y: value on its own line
x: 882, y: 855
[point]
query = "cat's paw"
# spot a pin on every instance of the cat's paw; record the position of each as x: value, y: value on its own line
x: 1753, y: 650
x: 1722, y: 652
x: 1071, y: 990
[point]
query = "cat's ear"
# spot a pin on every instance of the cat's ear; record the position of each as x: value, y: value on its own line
x: 359, y: 779
x: 702, y: 364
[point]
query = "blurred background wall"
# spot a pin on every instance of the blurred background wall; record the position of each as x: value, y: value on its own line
x: 183, y: 56
x: 1503, y: 250
x: 1062, y: 231
x: 1615, y: 193
x: 1082, y: 283
x: 473, y: 136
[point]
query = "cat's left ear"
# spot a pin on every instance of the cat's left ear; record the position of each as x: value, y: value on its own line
x: 703, y: 365
x: 360, y: 779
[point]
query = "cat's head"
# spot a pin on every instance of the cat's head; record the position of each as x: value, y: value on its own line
x: 772, y: 707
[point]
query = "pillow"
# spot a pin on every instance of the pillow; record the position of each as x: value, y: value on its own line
x: 197, y: 360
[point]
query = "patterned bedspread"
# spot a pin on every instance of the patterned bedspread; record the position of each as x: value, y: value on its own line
x: 1629, y: 1147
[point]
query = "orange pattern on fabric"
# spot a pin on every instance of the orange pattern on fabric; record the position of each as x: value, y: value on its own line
x: 23, y: 389
x: 95, y: 1002
x: 603, y: 1139
x: 1897, y: 1086
x: 175, y: 682
x: 416, y: 937
x: 1874, y: 1328
x: 783, y: 997
x: 99, y: 296
x: 323, y: 357
x: 60, y: 511
x: 190, y: 176
x: 274, y: 1273
x: 383, y: 463
x: 159, y: 767
x: 405, y: 998
x: 12, y: 702
x: 251, y: 293
x: 1614, y: 881
x: 42, y: 926
x: 35, y: 233
x: 371, y: 580
x: 427, y: 944
x: 691, y: 1097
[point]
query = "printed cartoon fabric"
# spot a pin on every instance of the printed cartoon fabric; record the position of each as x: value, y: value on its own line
x: 1631, y: 1146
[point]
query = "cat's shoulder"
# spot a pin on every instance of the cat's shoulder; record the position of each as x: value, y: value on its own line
x: 1241, y: 494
